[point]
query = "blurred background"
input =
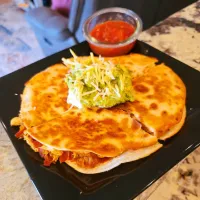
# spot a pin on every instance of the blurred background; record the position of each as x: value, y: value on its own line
x: 33, y: 29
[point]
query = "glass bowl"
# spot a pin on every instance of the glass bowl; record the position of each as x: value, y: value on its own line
x: 108, y: 14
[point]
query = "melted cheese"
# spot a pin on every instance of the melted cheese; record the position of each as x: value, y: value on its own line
x: 44, y: 96
x: 104, y: 132
x: 159, y: 99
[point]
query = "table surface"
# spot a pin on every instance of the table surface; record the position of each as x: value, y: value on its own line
x: 178, y: 36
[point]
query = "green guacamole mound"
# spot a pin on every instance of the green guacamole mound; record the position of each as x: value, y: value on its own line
x: 99, y: 84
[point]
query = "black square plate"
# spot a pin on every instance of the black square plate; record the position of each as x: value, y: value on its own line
x: 124, y: 182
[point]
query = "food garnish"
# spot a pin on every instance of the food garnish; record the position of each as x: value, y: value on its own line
x: 94, y: 82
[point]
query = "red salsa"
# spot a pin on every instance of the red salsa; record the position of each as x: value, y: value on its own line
x: 112, y: 32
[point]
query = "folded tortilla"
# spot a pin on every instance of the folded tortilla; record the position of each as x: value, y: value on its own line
x: 96, y: 140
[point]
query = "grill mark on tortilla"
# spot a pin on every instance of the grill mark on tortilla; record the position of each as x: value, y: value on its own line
x: 141, y: 88
x: 109, y: 133
x: 153, y: 106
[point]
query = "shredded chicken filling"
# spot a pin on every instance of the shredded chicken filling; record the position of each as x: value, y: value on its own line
x: 87, y: 160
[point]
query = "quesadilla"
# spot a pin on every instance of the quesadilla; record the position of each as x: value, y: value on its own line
x: 160, y: 100
x: 97, y: 113
x: 44, y: 96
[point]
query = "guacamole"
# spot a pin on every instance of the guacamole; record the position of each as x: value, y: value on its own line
x: 98, y: 83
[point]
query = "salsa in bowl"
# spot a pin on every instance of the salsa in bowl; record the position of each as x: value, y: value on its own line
x: 112, y: 31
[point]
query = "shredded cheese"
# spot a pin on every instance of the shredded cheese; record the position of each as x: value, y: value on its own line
x: 95, y: 78
x: 73, y: 54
